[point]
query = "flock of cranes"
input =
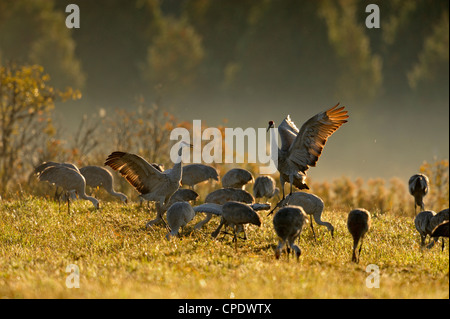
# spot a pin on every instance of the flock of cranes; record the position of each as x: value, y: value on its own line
x: 300, y: 149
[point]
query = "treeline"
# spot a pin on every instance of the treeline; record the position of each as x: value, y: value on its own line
x: 243, y: 48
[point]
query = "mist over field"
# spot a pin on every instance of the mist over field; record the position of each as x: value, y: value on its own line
x: 243, y: 63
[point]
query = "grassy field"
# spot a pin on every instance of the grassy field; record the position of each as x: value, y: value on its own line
x: 118, y: 258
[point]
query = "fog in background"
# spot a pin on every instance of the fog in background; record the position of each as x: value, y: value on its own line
x: 241, y: 63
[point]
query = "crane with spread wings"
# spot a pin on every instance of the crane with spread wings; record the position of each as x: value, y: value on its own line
x: 300, y: 149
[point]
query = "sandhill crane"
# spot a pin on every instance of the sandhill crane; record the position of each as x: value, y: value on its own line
x: 150, y: 182
x: 358, y: 223
x: 435, y: 221
x: 97, y: 176
x: 236, y: 178
x: 223, y: 195
x: 423, y: 225
x: 312, y: 205
x: 264, y: 186
x: 197, y: 173
x: 440, y: 230
x: 40, y: 168
x: 178, y: 215
x: 301, y: 149
x: 70, y: 180
x: 181, y: 195
x: 418, y: 188
x: 288, y: 224
x: 232, y: 214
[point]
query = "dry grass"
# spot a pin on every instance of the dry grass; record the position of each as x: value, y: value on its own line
x: 119, y: 258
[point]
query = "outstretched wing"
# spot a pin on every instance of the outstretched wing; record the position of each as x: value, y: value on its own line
x: 136, y: 170
x: 288, y: 132
x: 212, y: 208
x: 310, y: 141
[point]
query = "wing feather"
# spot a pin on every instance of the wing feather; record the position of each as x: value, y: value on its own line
x: 136, y: 170
x: 310, y: 141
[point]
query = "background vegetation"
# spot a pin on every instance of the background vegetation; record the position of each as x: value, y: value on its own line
x: 137, y: 69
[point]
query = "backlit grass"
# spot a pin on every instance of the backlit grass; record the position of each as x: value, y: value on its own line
x: 119, y: 258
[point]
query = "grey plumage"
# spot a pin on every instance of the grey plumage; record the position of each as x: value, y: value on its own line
x: 150, y: 182
x: 358, y: 224
x: 197, y: 173
x: 181, y: 195
x: 40, y: 168
x: 69, y: 179
x: 423, y: 225
x: 179, y: 215
x: 302, y: 148
x: 232, y: 214
x: 236, y: 178
x: 265, y: 186
x: 313, y: 206
x: 97, y: 176
x: 288, y: 224
x: 441, y: 230
x: 223, y: 195
x: 418, y: 188
x: 435, y: 221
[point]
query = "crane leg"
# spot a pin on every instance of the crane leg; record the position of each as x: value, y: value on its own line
x: 312, y: 228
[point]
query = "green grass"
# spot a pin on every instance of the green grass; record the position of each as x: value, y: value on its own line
x: 119, y: 258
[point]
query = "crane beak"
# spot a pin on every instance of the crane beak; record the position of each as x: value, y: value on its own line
x: 269, y: 127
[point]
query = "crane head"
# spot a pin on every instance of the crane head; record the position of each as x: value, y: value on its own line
x: 271, y: 125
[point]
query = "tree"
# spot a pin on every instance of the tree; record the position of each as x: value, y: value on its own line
x: 33, y: 32
x: 26, y: 102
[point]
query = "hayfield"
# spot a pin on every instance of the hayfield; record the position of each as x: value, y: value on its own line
x: 118, y: 258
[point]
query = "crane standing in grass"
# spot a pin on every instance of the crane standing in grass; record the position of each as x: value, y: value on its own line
x: 302, y: 148
x: 358, y: 224
x: 97, y: 176
x: 68, y: 179
x: 288, y: 224
x: 418, y: 188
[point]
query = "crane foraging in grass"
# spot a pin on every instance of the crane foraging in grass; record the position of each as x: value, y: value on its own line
x: 358, y: 224
x: 435, y: 221
x: 288, y: 223
x: 234, y: 214
x: 97, y: 176
x: 312, y: 205
x: 179, y: 215
x: 40, y: 168
x: 223, y: 195
x: 302, y: 148
x: 236, y: 178
x: 68, y: 179
x: 265, y: 187
x: 423, y: 225
x: 418, y: 188
x: 152, y: 183
x: 197, y: 173
x: 181, y: 195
